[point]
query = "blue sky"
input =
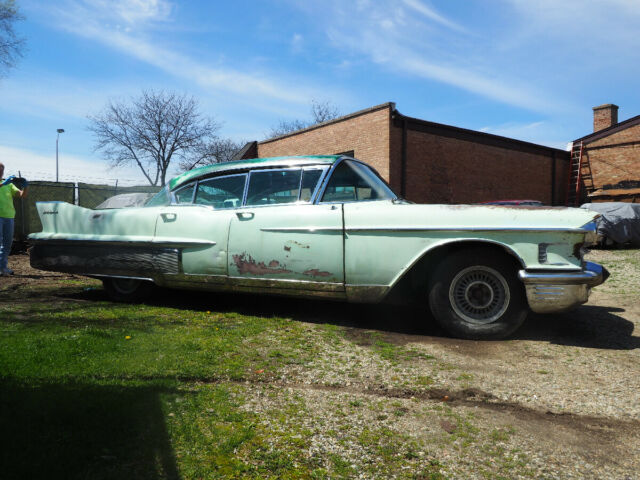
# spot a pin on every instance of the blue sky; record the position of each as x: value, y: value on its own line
x: 527, y: 69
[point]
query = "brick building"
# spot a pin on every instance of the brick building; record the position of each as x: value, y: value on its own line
x: 610, y: 158
x: 429, y: 162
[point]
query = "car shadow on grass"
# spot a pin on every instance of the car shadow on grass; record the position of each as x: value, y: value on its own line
x: 76, y: 430
x: 399, y: 320
x: 589, y: 326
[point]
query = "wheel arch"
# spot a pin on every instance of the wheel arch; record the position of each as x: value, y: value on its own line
x: 410, y: 286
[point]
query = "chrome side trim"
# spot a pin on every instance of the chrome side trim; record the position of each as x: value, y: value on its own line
x: 166, y: 242
x: 302, y: 229
x: 418, y: 229
x: 461, y: 229
x: 128, y: 277
x: 230, y: 287
x: 302, y: 285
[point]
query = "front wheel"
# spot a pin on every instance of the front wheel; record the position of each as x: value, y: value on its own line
x: 127, y: 289
x: 476, y: 294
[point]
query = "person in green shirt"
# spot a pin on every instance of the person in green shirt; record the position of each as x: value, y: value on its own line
x: 7, y: 213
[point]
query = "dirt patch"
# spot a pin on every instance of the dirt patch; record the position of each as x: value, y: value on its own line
x: 557, y: 400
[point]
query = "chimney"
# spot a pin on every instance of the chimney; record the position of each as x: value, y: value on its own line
x: 605, y: 116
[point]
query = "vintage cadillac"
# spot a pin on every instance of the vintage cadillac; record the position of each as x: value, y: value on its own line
x: 329, y: 226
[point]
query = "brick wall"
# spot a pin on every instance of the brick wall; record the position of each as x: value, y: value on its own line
x: 439, y: 169
x: 367, y: 134
x: 604, y: 116
x: 615, y: 158
x: 450, y: 170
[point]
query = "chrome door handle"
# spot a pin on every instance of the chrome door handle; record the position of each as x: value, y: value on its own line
x: 245, y: 215
x: 169, y: 217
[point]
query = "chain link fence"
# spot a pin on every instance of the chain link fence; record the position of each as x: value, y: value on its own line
x: 83, y: 194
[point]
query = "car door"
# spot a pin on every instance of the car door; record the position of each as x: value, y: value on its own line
x: 198, y: 221
x: 279, y: 239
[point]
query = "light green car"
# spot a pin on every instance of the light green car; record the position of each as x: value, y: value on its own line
x: 329, y: 226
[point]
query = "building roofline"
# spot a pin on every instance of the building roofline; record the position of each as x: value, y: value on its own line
x: 389, y: 105
x: 239, y: 155
x: 478, y: 137
x: 251, y: 163
x: 605, y: 132
x: 605, y: 105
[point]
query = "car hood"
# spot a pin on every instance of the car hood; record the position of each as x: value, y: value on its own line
x: 475, y: 217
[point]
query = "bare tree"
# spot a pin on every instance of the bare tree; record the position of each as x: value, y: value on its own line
x: 287, y: 126
x: 321, y: 111
x: 218, y: 150
x: 11, y: 46
x: 151, y: 130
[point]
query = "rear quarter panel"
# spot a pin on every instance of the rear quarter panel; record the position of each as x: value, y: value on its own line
x: 383, y: 240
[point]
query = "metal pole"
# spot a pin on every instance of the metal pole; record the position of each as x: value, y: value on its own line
x: 57, y: 138
x: 60, y: 130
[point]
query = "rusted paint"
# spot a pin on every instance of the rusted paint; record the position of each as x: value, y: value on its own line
x: 287, y: 249
x: 499, y: 207
x: 316, y: 273
x: 297, y: 244
x: 525, y: 207
x: 247, y: 265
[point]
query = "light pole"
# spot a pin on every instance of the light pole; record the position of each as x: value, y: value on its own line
x: 60, y: 130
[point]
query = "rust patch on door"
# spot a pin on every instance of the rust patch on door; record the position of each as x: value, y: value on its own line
x: 247, y: 265
x: 292, y: 243
x: 316, y: 273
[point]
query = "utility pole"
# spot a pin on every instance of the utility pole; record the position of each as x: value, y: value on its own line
x: 60, y: 130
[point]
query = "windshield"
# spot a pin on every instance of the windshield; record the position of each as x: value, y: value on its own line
x: 159, y: 199
x: 355, y: 182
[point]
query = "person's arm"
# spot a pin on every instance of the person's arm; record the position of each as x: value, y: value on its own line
x: 23, y: 192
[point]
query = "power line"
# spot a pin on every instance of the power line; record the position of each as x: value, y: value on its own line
x: 33, y: 175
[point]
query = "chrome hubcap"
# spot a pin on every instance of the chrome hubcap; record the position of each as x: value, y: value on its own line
x: 479, y: 294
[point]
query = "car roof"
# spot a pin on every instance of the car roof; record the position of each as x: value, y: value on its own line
x: 289, y: 161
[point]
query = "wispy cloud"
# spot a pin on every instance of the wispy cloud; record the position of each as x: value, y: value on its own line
x: 132, y: 12
x: 432, y: 14
x: 296, y: 43
x: 540, y: 132
x: 36, y: 165
x: 89, y: 19
x: 416, y: 46
x: 584, y: 29
x: 49, y: 96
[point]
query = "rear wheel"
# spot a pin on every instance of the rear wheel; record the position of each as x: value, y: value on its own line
x: 127, y: 289
x: 476, y: 294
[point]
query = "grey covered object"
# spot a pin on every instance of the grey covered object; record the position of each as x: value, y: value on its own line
x: 619, y: 221
x: 125, y: 200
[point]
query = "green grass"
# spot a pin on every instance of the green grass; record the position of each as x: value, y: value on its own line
x: 191, y: 387
x: 92, y: 389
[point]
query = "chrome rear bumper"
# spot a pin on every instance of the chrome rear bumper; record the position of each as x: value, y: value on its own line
x: 558, y: 291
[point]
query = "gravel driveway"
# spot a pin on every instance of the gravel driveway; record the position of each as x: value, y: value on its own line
x: 391, y: 396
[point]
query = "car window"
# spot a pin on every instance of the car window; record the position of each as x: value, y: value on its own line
x: 221, y: 192
x: 185, y: 194
x: 309, y: 181
x: 273, y: 187
x: 354, y: 182
x: 159, y: 199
